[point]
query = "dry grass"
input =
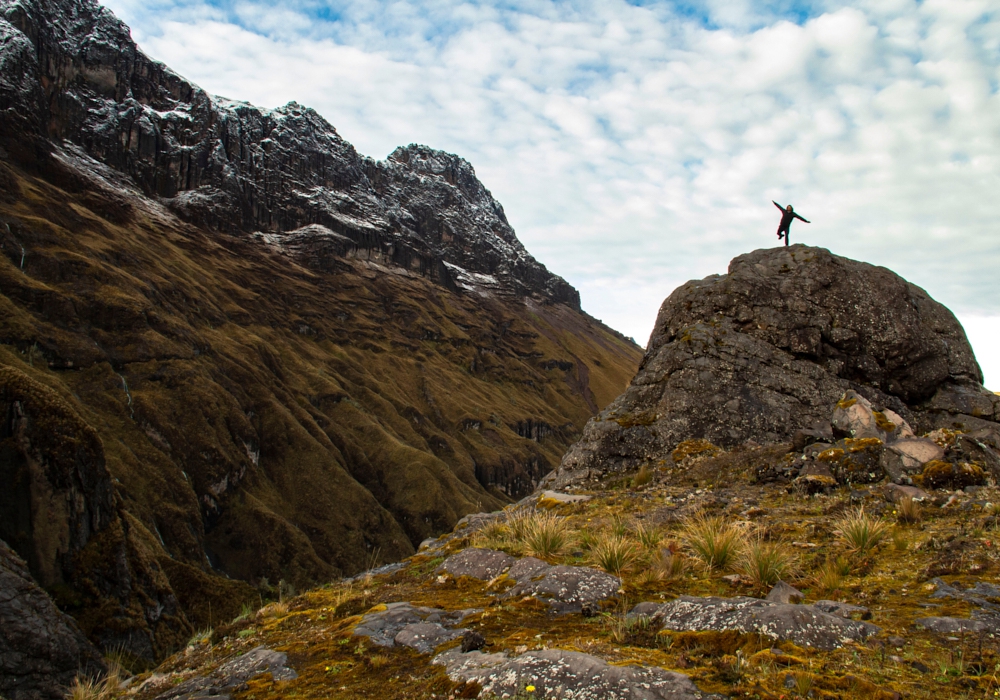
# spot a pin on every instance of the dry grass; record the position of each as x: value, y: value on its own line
x: 85, y: 688
x: 908, y: 511
x: 765, y: 563
x: 642, y: 477
x: 546, y: 536
x: 278, y: 609
x: 649, y: 537
x: 614, y: 554
x: 860, y: 532
x: 713, y: 541
x: 668, y: 564
x: 830, y: 576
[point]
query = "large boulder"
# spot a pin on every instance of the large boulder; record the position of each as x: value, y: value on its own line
x: 41, y: 648
x: 769, y: 348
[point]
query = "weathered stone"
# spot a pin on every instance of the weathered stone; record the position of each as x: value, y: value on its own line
x: 556, y: 673
x: 563, y: 497
x: 938, y: 474
x: 804, y: 625
x: 896, y: 492
x: 564, y: 588
x: 41, y: 648
x: 770, y: 348
x: 383, y: 624
x: 854, y: 460
x: 484, y: 564
x: 527, y: 568
x: 907, y: 456
x: 975, y: 450
x: 425, y: 636
x: 805, y: 437
x: 783, y: 593
x: 232, y: 674
x: 956, y: 625
x: 472, y: 640
x: 854, y: 417
x: 845, y: 610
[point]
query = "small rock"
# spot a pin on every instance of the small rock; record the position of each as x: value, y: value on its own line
x: 472, y: 640
x: 783, y: 593
x: 845, y: 610
x: 424, y: 636
x: 918, y: 666
x: 897, y: 642
x: 564, y: 588
x: 384, y: 624
x: 563, y: 497
x: 482, y: 564
x: 956, y: 625
x: 896, y: 492
x: 789, y: 681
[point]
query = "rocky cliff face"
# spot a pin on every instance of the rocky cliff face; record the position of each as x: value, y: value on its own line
x: 41, y: 648
x: 766, y: 349
x: 71, y: 71
x: 272, y: 359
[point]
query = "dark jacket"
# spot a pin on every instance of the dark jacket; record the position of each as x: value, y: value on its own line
x: 786, y: 217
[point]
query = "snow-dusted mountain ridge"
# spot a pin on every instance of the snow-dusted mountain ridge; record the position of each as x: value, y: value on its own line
x: 71, y: 72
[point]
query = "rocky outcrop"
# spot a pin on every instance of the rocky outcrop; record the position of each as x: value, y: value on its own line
x: 770, y: 347
x: 41, y: 649
x: 71, y: 71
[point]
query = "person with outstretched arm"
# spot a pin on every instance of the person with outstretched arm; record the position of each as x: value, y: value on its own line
x: 787, y: 214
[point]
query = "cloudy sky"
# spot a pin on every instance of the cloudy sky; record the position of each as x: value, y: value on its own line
x: 636, y: 145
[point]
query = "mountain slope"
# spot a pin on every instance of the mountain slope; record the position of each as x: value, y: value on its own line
x: 285, y: 361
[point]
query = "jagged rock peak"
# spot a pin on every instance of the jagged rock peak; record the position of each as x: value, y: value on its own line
x: 71, y: 73
x: 768, y: 348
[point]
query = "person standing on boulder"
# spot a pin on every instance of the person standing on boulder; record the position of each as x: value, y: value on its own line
x: 787, y: 214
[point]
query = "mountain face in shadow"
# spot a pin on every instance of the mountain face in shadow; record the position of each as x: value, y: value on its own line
x: 234, y: 352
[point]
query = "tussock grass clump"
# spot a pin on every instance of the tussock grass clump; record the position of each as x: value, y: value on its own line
x: 519, y: 523
x: 546, y: 536
x: 278, y: 609
x: 642, y: 477
x: 495, y: 534
x: 86, y: 688
x: 861, y: 532
x: 201, y: 637
x: 908, y: 511
x: 713, y: 541
x: 668, y: 564
x: 614, y: 554
x: 765, y: 563
x: 649, y: 537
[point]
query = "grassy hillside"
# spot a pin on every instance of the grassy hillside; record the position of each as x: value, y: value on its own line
x: 269, y: 416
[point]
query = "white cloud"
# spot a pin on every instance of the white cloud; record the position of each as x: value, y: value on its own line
x: 633, y: 147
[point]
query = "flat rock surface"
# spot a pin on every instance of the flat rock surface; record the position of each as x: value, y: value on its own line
x: 565, y: 588
x: 556, y: 673
x: 403, y: 624
x: 484, y: 564
x: 804, y: 625
x: 231, y: 674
